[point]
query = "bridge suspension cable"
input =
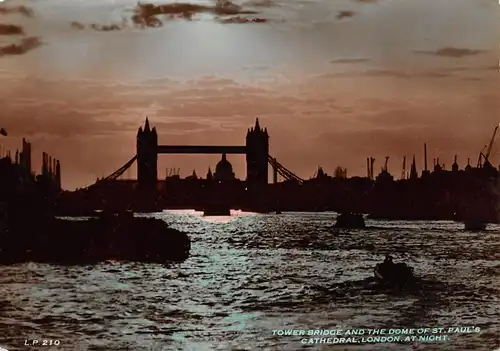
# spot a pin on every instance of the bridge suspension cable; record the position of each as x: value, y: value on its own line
x: 116, y: 174
x: 283, y: 171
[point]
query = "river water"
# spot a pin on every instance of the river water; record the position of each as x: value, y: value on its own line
x: 250, y: 274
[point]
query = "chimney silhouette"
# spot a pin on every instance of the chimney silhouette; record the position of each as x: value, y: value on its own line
x: 58, y: 175
x: 44, y: 164
x: 425, y: 157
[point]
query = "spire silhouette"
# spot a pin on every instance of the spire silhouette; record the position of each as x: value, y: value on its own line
x: 257, y: 125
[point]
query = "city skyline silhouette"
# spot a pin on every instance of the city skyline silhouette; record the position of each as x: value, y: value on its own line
x: 332, y: 89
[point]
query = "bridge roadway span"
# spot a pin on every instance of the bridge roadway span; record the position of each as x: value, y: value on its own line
x: 200, y: 149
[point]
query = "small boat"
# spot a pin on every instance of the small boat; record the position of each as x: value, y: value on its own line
x: 350, y: 221
x: 474, y: 225
x: 474, y: 216
x: 393, y: 273
x: 217, y: 211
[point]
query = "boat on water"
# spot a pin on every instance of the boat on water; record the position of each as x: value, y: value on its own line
x: 392, y: 273
x: 474, y: 221
x: 475, y: 225
x: 217, y: 211
x: 350, y: 221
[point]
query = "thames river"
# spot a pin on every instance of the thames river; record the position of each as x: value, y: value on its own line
x: 250, y: 274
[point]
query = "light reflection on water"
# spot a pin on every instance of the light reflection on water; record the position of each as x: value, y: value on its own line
x: 235, y: 214
x: 252, y: 273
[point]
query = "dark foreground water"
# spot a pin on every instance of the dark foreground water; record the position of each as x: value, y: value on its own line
x: 251, y: 274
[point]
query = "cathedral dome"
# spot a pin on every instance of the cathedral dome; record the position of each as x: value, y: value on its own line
x: 224, y: 164
x: 224, y: 169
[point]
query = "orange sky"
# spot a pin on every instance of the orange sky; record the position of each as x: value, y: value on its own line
x: 334, y: 82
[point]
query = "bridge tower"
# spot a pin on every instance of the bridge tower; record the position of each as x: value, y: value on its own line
x: 257, y: 146
x: 147, y: 157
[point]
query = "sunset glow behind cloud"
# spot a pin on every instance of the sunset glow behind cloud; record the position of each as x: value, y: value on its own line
x: 334, y: 82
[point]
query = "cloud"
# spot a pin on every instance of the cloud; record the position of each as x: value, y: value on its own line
x: 225, y: 7
x: 77, y: 25
x: 145, y: 15
x: 388, y: 73
x: 452, y: 52
x: 442, y: 72
x: 260, y: 3
x: 345, y: 14
x: 106, y: 28
x: 27, y: 44
x: 401, y: 74
x: 22, y: 10
x: 90, y: 108
x: 473, y: 78
x: 97, y: 27
x: 10, y: 29
x: 349, y: 60
x: 239, y: 19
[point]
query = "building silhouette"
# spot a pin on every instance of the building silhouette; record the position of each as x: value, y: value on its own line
x: 257, y: 151
x: 147, y: 157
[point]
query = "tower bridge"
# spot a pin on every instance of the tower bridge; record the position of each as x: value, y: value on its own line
x: 201, y: 149
x: 256, y: 151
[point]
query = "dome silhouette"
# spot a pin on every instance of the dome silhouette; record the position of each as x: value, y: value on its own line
x: 224, y: 170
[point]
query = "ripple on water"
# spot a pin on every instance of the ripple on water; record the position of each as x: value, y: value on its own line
x: 254, y: 273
